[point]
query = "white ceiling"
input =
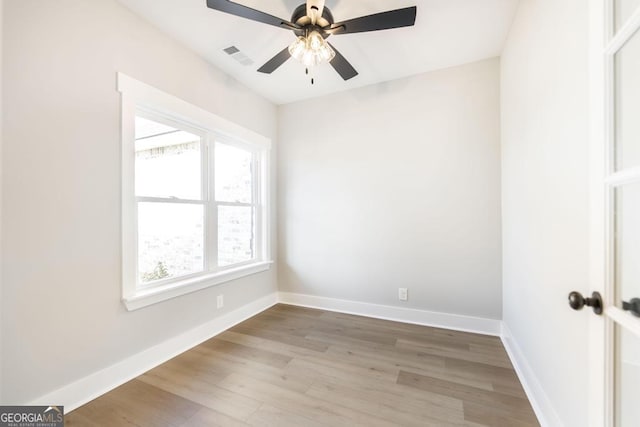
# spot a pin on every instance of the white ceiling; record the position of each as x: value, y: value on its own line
x: 446, y: 33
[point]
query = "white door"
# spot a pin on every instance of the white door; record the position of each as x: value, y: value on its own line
x: 615, y: 228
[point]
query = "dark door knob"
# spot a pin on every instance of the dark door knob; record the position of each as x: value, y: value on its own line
x: 577, y: 301
x: 633, y: 306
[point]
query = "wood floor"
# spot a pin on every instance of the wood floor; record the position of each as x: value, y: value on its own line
x: 293, y: 366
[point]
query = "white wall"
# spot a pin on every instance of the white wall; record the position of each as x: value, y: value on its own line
x: 395, y: 185
x: 62, y: 315
x: 544, y: 103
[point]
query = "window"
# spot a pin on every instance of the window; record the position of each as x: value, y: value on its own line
x: 194, y: 197
x: 169, y: 177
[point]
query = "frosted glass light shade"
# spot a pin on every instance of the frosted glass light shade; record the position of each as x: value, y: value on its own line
x: 315, y: 41
x: 298, y: 47
x: 311, y: 50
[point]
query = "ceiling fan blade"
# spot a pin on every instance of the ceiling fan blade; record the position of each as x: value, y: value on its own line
x: 248, y: 13
x: 271, y: 65
x: 379, y: 21
x: 315, y: 4
x: 341, y: 65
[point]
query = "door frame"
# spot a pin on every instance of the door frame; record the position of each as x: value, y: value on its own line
x: 598, y: 378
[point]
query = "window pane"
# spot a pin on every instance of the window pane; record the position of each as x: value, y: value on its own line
x: 170, y: 240
x: 628, y: 381
x: 168, y: 161
x: 233, y: 174
x: 235, y: 234
x: 627, y: 104
x: 627, y: 240
x: 623, y: 9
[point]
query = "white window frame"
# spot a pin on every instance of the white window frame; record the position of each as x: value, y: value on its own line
x: 140, y: 97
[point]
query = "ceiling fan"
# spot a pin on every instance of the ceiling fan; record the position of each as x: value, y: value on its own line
x: 313, y: 23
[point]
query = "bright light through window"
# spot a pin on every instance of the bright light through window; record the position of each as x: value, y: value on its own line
x: 194, y: 197
x: 168, y: 161
x: 234, y: 186
x: 170, y: 240
x: 168, y: 174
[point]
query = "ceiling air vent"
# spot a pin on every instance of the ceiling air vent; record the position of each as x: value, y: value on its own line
x: 235, y: 53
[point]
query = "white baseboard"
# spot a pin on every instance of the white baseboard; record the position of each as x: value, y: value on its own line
x: 456, y: 322
x: 88, y: 388
x: 542, y: 406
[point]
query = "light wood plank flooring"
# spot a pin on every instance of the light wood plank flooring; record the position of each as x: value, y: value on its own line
x: 293, y: 366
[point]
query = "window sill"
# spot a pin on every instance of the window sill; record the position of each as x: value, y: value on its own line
x: 145, y: 297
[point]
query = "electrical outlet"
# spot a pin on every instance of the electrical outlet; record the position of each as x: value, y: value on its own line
x: 220, y: 301
x: 402, y: 294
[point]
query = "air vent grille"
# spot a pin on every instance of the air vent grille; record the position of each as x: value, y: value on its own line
x: 231, y: 50
x: 240, y: 57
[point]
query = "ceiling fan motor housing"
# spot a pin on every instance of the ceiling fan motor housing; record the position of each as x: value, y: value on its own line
x: 299, y: 17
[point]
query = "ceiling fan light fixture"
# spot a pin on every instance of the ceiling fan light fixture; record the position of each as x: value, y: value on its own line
x: 315, y: 40
x: 326, y: 53
x: 311, y: 50
x: 309, y: 59
x: 298, y: 47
